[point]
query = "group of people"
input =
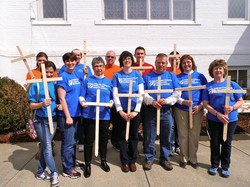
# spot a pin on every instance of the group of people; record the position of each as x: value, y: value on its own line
x: 76, y: 120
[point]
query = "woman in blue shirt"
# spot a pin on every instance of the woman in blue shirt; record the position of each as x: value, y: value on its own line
x: 189, y: 137
x: 128, y: 150
x: 88, y: 94
x: 39, y: 103
x: 215, y: 104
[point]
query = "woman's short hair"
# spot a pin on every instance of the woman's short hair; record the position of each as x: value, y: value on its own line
x: 96, y: 60
x: 69, y: 56
x: 123, y: 56
x: 217, y: 63
x: 189, y: 57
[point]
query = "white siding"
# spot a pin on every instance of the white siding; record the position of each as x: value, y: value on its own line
x: 205, y: 40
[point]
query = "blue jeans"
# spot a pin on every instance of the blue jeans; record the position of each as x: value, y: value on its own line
x: 220, y: 153
x: 68, y: 147
x: 45, y: 137
x: 166, y: 124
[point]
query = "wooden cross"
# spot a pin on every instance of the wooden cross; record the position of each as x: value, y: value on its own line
x: 97, y: 116
x: 140, y: 67
x: 190, y: 88
x: 129, y: 95
x: 159, y: 91
x: 174, y: 56
x: 23, y: 58
x: 85, y: 55
x: 45, y: 81
x: 227, y: 91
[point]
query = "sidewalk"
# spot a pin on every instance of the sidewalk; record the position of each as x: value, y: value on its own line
x: 18, y: 167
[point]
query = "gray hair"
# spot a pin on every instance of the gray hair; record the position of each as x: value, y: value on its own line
x: 96, y: 60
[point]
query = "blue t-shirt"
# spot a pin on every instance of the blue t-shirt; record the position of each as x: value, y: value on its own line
x: 42, y: 112
x: 88, y: 91
x: 198, y: 79
x: 168, y: 81
x: 217, y: 100
x: 121, y: 81
x: 72, y: 86
x: 78, y: 70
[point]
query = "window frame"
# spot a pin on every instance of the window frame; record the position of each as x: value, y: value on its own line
x: 239, y: 68
x: 238, y: 21
x: 40, y: 15
x: 148, y: 19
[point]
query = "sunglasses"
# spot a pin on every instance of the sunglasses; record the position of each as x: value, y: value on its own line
x: 110, y: 56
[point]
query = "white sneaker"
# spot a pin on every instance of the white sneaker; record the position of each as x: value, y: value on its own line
x: 80, y: 148
x: 54, y: 179
x: 43, y: 176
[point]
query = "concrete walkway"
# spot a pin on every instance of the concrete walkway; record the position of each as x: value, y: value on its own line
x: 18, y: 167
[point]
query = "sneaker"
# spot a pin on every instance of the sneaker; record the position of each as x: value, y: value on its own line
x: 55, y: 179
x: 79, y: 165
x: 147, y: 166
x: 166, y: 165
x: 73, y: 174
x: 171, y: 153
x: 43, y: 176
x: 225, y: 173
x: 213, y: 171
x: 80, y: 148
x: 177, y: 151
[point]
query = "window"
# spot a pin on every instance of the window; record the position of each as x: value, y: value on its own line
x: 240, y: 76
x: 148, y: 9
x: 51, y: 9
x: 238, y: 9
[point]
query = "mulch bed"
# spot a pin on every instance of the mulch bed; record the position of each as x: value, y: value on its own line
x: 21, y: 136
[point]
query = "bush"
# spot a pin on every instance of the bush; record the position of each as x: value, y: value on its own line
x: 14, y: 108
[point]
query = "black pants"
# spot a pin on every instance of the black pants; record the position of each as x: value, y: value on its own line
x: 89, y: 137
x: 220, y: 150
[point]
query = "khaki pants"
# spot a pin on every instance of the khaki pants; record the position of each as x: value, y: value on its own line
x: 188, y: 138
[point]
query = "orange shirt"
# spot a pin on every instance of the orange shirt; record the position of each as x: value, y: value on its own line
x: 170, y: 69
x: 110, y: 71
x: 38, y: 74
x: 145, y: 71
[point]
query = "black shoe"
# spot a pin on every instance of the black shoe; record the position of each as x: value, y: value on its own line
x: 105, y: 166
x: 87, y: 171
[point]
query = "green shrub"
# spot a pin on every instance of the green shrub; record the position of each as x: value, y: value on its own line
x: 14, y: 108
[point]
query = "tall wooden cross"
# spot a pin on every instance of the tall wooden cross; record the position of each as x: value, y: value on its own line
x: 23, y: 58
x: 45, y: 81
x: 159, y: 91
x: 97, y: 117
x: 190, y: 88
x: 174, y: 56
x: 129, y: 95
x: 140, y: 67
x: 227, y: 91
x: 85, y: 55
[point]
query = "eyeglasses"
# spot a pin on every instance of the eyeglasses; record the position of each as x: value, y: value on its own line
x: 110, y: 56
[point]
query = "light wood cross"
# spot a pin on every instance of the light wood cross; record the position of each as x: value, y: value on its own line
x: 159, y: 91
x: 85, y: 55
x: 140, y: 67
x: 174, y: 56
x: 45, y: 81
x: 23, y: 58
x: 190, y: 88
x: 129, y: 95
x: 227, y: 91
x: 97, y: 117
